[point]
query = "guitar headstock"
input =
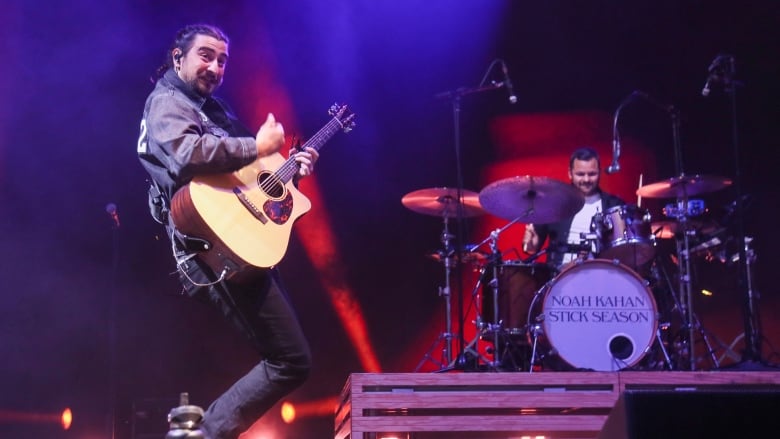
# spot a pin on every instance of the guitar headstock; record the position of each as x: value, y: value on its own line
x: 342, y: 114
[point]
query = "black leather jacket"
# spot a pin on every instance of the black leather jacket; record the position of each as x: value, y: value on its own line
x: 184, y: 134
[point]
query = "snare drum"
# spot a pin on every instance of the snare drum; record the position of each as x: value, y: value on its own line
x: 598, y: 314
x: 624, y: 233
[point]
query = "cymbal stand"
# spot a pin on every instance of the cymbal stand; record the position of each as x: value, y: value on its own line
x: 690, y: 320
x: 686, y: 297
x: 446, y: 337
x: 722, y: 72
x: 752, y: 312
x: 455, y: 97
x: 495, y: 261
x: 470, y: 353
x: 496, y: 326
x: 685, y: 301
x: 683, y: 248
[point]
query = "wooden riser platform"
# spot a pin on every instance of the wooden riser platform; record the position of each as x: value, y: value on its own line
x: 509, y: 404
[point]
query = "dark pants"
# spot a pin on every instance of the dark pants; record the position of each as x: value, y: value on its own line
x: 263, y: 312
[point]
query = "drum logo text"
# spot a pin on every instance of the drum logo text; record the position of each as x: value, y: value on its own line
x: 599, y: 309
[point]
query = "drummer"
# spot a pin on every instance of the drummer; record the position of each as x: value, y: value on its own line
x: 584, y: 173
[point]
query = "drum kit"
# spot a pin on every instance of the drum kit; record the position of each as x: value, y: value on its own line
x: 601, y: 311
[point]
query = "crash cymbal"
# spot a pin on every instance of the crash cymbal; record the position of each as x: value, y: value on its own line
x: 531, y: 199
x: 442, y: 202
x: 685, y: 185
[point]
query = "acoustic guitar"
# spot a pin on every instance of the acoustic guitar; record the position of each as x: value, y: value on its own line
x: 245, y: 217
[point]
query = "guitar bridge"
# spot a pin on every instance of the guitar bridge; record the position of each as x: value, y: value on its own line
x: 249, y: 205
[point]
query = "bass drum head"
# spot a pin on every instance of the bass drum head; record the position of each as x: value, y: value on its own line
x: 599, y: 315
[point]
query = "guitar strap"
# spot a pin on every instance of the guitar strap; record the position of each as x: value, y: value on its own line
x: 158, y: 205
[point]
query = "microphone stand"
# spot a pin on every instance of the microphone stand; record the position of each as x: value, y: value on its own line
x: 455, y: 96
x: 112, y: 325
x: 722, y: 72
x: 683, y: 241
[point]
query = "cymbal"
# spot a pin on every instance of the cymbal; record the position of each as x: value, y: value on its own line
x: 443, y: 202
x: 531, y: 199
x: 473, y: 257
x: 664, y: 229
x: 683, y: 185
x: 669, y: 229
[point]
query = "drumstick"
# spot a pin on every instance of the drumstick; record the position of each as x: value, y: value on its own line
x: 639, y: 197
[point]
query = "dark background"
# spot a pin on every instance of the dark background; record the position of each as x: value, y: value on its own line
x: 77, y: 292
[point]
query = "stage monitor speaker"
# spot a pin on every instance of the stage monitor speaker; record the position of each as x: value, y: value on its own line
x: 693, y: 414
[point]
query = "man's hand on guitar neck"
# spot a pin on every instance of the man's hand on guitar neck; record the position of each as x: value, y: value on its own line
x: 305, y: 159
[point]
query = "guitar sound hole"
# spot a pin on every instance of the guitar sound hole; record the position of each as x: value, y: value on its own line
x: 270, y: 185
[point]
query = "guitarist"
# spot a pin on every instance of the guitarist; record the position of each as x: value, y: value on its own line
x: 185, y: 132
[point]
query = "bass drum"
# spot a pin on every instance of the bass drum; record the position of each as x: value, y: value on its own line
x: 598, y: 314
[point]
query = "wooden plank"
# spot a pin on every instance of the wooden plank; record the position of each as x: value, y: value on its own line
x: 698, y: 379
x: 483, y: 379
x: 475, y: 400
x: 558, y: 404
x: 515, y: 424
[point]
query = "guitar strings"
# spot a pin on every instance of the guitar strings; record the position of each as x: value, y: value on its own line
x: 290, y: 167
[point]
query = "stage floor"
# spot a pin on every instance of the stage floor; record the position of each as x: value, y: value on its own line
x: 512, y: 404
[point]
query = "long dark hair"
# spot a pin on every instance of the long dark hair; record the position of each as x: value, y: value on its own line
x: 184, y: 40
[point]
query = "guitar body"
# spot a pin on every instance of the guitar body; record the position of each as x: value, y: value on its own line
x: 247, y: 215
x: 247, y: 224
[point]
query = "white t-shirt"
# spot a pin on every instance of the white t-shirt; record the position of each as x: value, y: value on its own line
x: 581, y: 223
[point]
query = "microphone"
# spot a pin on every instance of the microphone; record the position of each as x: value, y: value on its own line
x: 508, y: 84
x: 614, y: 166
x: 111, y: 210
x: 706, y: 90
x: 712, y: 75
x: 716, y: 72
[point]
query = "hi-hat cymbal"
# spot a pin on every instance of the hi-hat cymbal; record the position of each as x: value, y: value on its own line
x: 443, y: 202
x: 685, y: 185
x: 531, y: 199
x: 473, y: 257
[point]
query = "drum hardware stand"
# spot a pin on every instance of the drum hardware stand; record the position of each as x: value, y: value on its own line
x: 686, y: 296
x: 455, y: 97
x: 667, y: 359
x: 722, y: 72
x: 534, y: 330
x: 469, y: 350
x: 496, y: 328
x: 686, y: 300
x: 445, y: 337
x: 695, y: 324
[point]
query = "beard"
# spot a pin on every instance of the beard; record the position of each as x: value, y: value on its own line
x: 204, y: 86
x: 588, y: 188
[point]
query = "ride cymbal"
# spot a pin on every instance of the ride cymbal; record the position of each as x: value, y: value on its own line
x: 442, y: 202
x: 684, y: 185
x: 531, y: 199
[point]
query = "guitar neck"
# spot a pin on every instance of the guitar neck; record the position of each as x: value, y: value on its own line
x: 288, y: 170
